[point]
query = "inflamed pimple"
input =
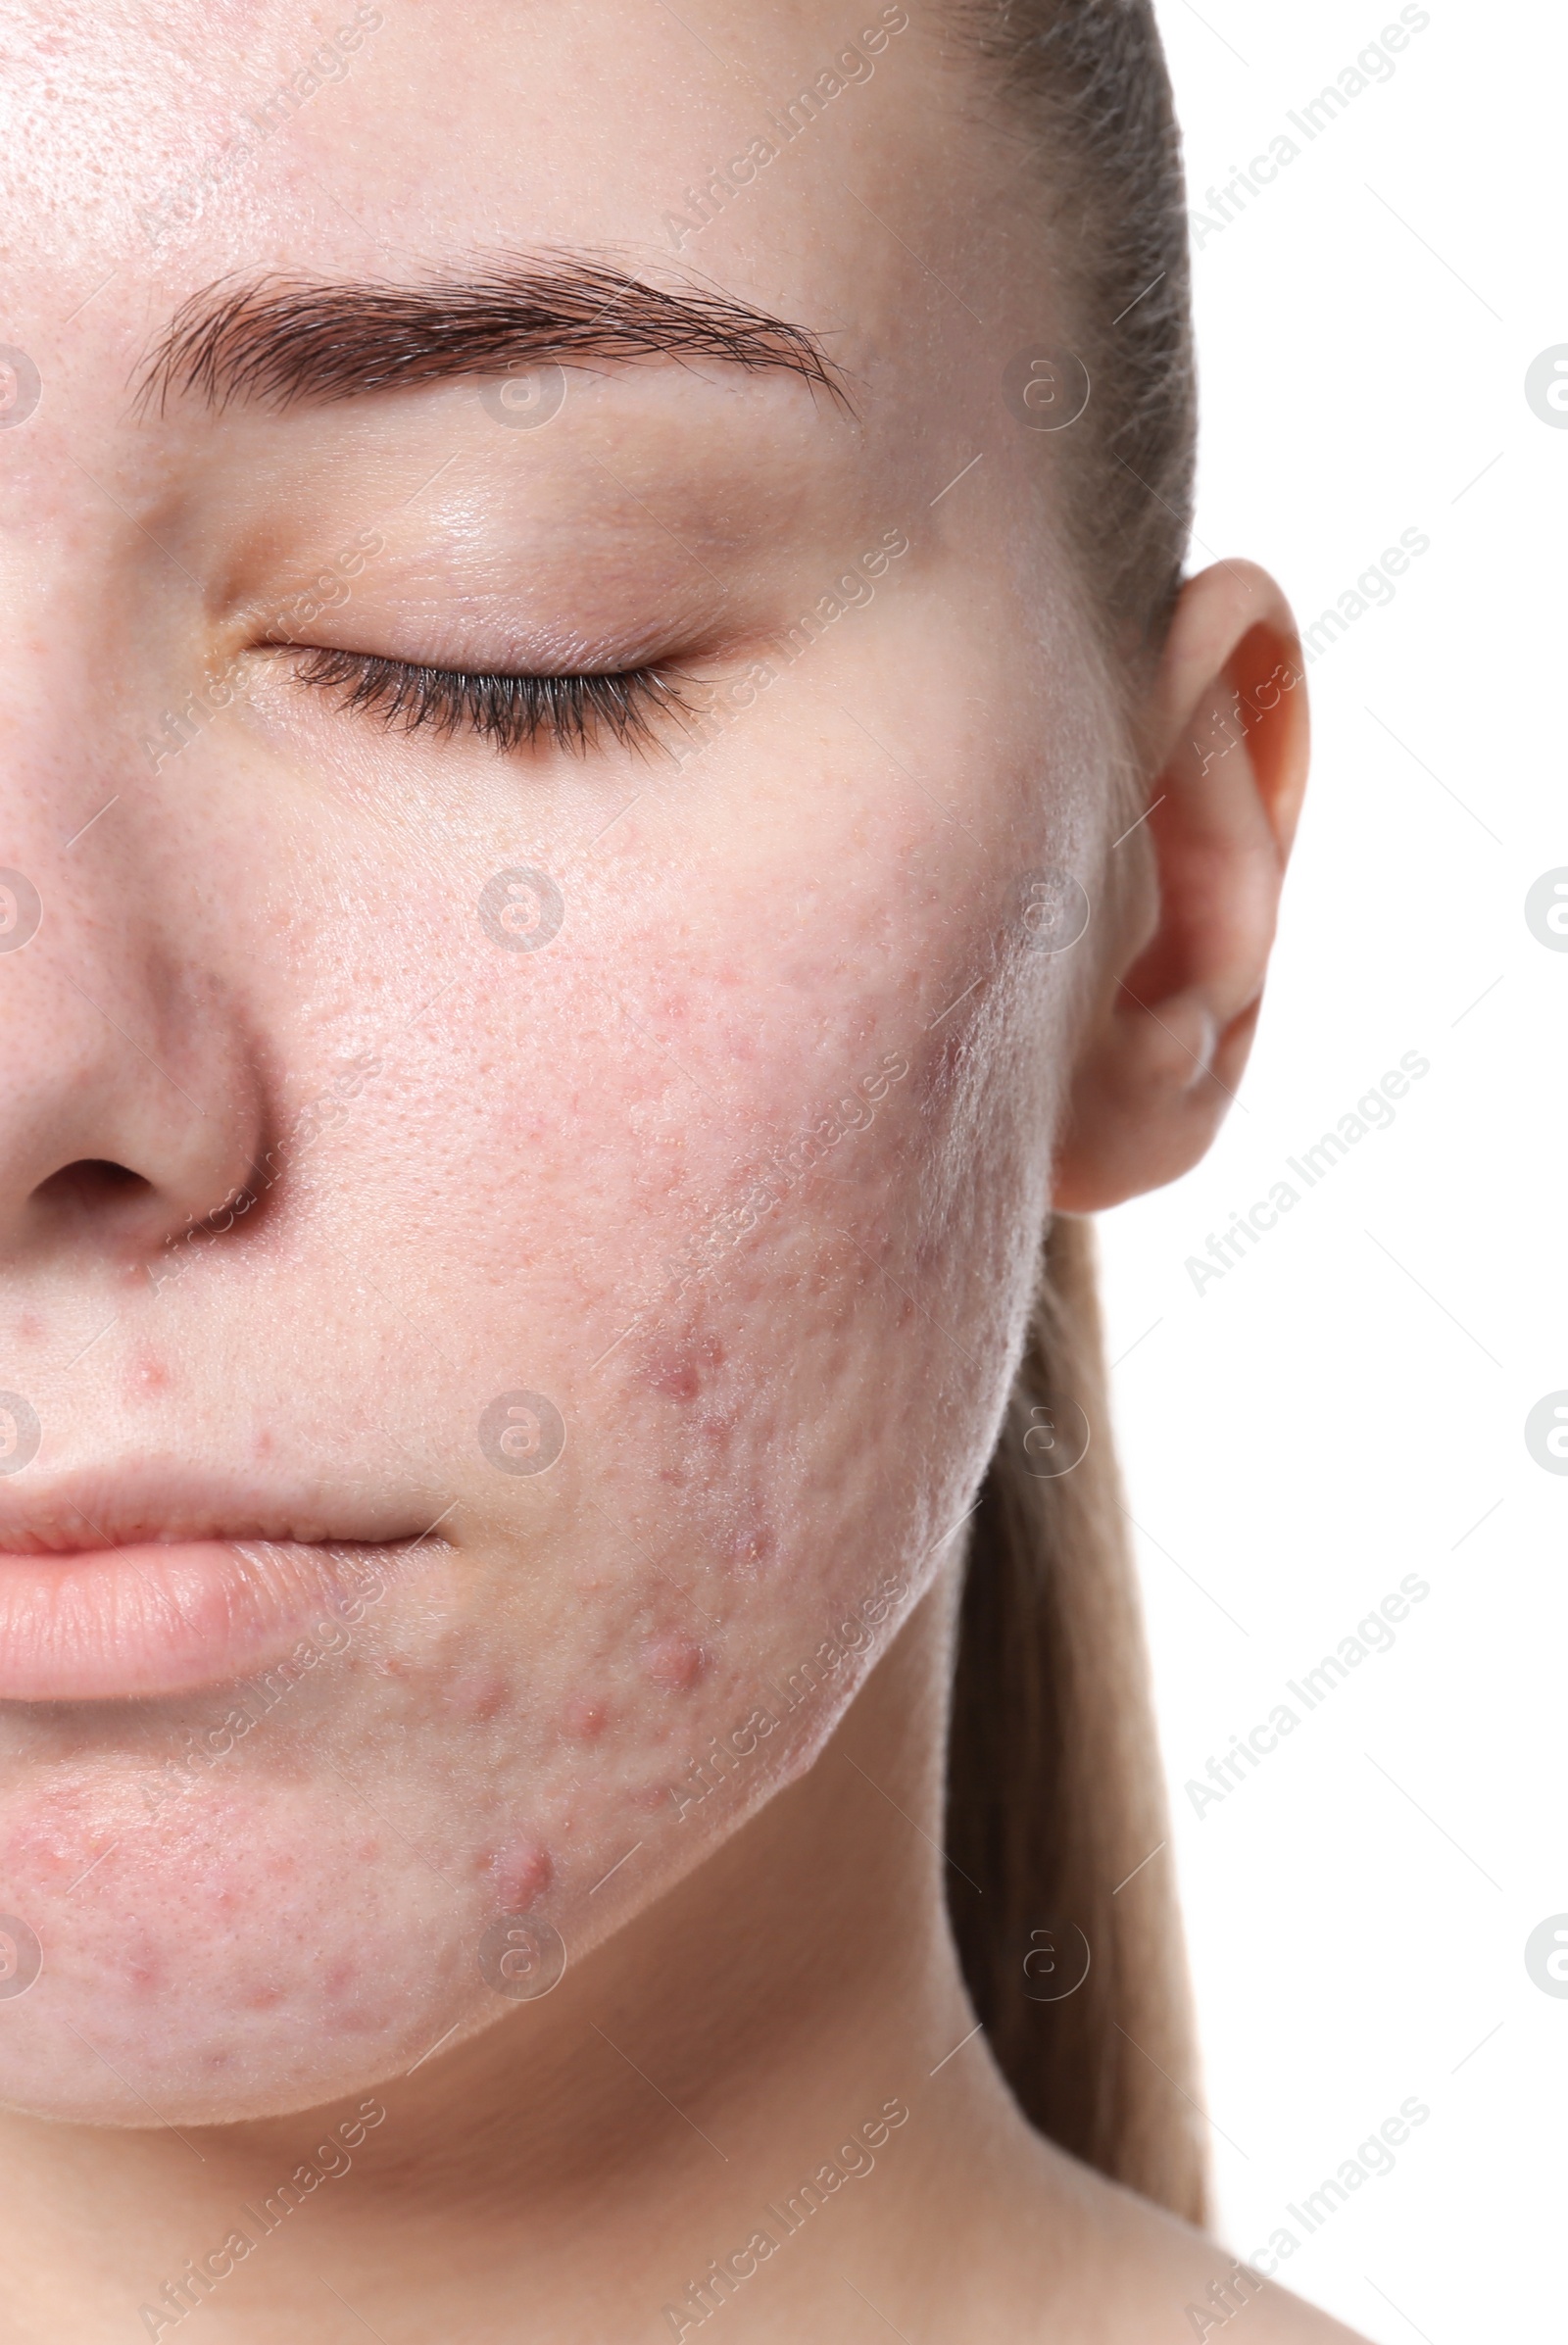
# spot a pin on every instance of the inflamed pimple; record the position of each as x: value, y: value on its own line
x: 674, y: 1374
x: 583, y: 1720
x: 680, y: 1369
x: 147, y: 1374
x: 479, y: 1693
x: 522, y: 1871
x: 672, y: 1662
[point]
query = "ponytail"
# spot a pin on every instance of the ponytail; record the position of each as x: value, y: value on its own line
x: 1054, y: 1790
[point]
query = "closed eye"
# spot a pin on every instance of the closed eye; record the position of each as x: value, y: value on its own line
x: 510, y: 712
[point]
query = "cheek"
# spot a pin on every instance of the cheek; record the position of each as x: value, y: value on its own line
x: 730, y: 1052
x: 759, y: 1219
x: 745, y: 1179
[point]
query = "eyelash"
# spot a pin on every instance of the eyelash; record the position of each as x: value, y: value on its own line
x: 509, y: 710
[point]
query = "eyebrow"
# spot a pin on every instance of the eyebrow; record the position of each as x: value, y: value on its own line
x: 287, y: 342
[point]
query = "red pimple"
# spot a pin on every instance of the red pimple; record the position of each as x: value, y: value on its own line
x: 147, y: 1374
x: 478, y: 1694
x: 680, y: 1369
x: 583, y: 1720
x: 674, y: 1374
x: 673, y: 1662
x: 522, y: 1872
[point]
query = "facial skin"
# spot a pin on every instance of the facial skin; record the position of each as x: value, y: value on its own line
x: 427, y: 1167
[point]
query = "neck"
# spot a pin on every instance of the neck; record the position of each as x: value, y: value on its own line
x: 756, y: 2091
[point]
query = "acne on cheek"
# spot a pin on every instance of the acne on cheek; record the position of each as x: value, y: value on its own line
x: 791, y: 1379
x: 147, y: 1375
x: 751, y: 1541
x: 673, y: 1663
x: 479, y: 1694
x: 583, y: 1718
x: 520, y: 1872
x: 770, y: 1420
x: 680, y: 1369
x: 701, y: 1421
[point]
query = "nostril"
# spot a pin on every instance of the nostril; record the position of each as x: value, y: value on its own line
x: 91, y: 1186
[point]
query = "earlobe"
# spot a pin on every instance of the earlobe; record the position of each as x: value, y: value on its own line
x: 1179, y: 999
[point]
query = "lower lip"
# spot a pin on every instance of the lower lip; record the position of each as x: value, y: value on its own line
x: 136, y: 1622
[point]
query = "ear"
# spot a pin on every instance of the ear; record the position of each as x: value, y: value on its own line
x: 1173, y: 1021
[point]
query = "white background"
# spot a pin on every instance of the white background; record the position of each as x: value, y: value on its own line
x: 1347, y: 1405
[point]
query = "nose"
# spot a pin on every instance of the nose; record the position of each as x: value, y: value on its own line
x: 130, y: 1101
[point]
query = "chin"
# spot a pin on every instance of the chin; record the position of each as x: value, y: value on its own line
x: 241, y: 1961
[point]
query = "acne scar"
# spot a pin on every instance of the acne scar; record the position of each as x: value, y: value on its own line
x: 752, y: 1546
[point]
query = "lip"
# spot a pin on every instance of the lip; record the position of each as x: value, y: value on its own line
x: 186, y: 1584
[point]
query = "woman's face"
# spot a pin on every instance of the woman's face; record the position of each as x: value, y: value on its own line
x: 517, y: 1251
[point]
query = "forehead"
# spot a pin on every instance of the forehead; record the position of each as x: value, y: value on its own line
x: 816, y: 161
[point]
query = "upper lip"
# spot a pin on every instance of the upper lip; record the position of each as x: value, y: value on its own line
x: 163, y: 1502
